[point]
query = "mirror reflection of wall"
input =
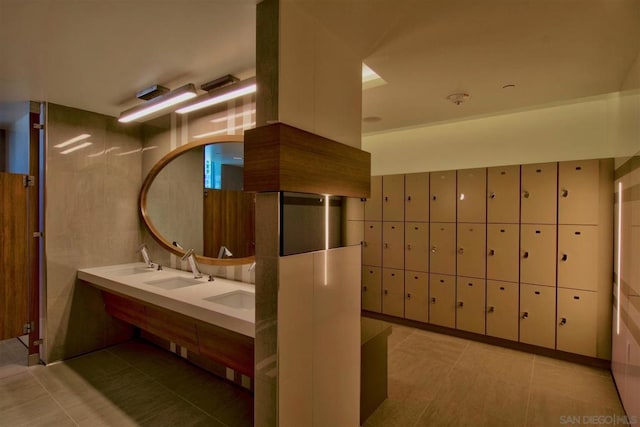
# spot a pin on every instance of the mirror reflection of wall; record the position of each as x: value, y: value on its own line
x: 175, y: 203
x: 167, y: 133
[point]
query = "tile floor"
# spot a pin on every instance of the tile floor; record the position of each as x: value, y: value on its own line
x: 131, y: 384
x: 439, y: 380
x: 434, y: 380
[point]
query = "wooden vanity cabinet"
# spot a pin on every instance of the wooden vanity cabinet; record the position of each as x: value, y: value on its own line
x: 220, y: 345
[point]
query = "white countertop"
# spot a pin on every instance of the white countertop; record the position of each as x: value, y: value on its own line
x: 188, y: 300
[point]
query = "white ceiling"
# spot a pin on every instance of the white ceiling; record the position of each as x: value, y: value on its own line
x: 95, y: 55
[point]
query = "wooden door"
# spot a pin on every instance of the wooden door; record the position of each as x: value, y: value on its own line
x: 14, y: 256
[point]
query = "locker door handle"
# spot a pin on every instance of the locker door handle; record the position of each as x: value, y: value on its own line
x: 525, y: 254
x: 461, y: 251
x: 409, y: 247
x: 492, y: 195
x: 408, y: 296
x: 564, y: 193
x: 525, y: 315
x: 460, y: 304
x: 563, y: 321
x: 492, y: 252
x: 433, y: 249
x: 564, y: 257
x: 525, y: 194
x: 491, y: 309
x: 433, y: 300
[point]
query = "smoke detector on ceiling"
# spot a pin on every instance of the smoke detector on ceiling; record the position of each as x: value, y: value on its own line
x: 458, y: 98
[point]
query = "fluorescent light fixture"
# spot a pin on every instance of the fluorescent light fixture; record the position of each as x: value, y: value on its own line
x: 225, y: 130
x: 218, y: 96
x: 72, y: 140
x: 159, y: 103
x: 370, y: 78
x: 77, y: 147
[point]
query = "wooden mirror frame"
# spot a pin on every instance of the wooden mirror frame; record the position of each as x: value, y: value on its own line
x: 144, y: 191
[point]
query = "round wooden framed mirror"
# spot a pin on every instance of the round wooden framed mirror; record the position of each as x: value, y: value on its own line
x: 192, y: 198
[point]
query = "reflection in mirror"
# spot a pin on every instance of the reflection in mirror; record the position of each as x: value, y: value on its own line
x: 193, y: 198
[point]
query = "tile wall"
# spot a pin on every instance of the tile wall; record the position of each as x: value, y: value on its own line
x: 91, y: 219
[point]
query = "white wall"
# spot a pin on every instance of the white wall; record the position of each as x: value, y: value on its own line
x: 595, y: 127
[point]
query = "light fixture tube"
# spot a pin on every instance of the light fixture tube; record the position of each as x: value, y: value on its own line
x: 159, y: 103
x: 218, y: 96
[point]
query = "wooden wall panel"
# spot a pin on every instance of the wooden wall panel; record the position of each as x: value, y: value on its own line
x: 279, y: 157
x: 14, y: 256
x: 229, y: 220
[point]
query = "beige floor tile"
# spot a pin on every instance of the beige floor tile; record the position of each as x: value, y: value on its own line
x: 37, y: 411
x: 506, y: 364
x: 576, y: 382
x: 547, y: 407
x: 17, y: 390
x: 398, y: 334
x: 396, y: 413
x: 435, y: 347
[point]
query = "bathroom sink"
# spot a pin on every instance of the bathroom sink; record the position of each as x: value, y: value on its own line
x: 127, y: 271
x: 173, y: 282
x: 235, y: 299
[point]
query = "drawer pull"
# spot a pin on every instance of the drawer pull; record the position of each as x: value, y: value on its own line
x: 525, y: 315
x: 434, y: 197
x: 386, y: 246
x: 492, y: 252
x: 409, y: 247
x: 433, y: 300
x: 564, y: 257
x: 408, y: 296
x: 563, y: 321
x: 460, y: 304
x: 408, y: 198
x: 491, y: 309
x: 461, y: 251
x: 525, y: 194
x: 386, y: 198
x: 525, y: 254
x: 564, y: 193
x: 386, y: 292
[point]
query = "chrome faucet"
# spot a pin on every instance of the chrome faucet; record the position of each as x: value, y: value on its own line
x: 145, y: 255
x: 190, y: 257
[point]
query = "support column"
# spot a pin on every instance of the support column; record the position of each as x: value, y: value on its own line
x: 307, y: 306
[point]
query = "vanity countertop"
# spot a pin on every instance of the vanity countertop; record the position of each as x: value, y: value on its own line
x: 132, y: 280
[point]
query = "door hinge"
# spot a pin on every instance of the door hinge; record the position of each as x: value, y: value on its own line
x: 38, y: 125
x: 27, y: 327
x: 29, y: 180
